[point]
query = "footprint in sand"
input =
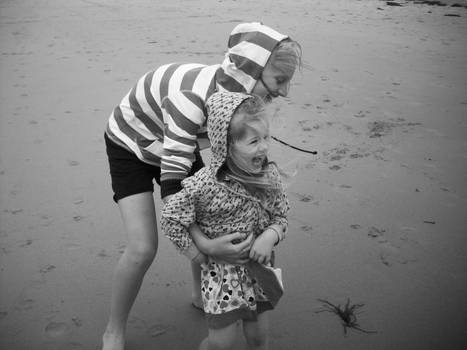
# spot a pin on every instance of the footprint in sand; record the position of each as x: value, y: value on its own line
x: 159, y: 329
x: 25, y: 304
x: 56, y: 329
x: 47, y: 268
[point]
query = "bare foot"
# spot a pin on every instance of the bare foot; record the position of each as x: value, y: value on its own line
x: 113, y: 341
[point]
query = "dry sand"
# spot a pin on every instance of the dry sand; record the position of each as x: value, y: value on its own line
x: 378, y: 216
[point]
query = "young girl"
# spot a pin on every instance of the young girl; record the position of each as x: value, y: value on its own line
x: 240, y: 191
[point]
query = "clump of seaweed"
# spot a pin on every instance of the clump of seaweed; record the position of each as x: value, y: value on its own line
x: 348, y: 314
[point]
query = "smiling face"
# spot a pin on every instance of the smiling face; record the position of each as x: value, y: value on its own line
x: 250, y: 152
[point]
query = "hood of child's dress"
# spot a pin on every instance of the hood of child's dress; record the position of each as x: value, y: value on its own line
x: 249, y: 48
x: 220, y: 107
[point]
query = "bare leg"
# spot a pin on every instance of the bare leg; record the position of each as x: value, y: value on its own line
x: 196, y: 291
x: 220, y: 339
x: 139, y: 219
x: 256, y: 333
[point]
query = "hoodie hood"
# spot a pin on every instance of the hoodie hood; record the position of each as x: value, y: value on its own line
x: 221, y: 107
x: 249, y: 48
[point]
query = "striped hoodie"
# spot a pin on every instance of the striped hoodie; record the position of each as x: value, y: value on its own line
x: 162, y: 119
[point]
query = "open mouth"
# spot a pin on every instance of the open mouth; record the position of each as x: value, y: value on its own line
x: 258, y: 161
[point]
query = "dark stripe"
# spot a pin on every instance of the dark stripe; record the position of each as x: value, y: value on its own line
x: 247, y: 66
x: 181, y: 120
x: 145, y: 119
x: 189, y: 78
x: 164, y: 86
x: 229, y: 83
x: 258, y: 38
x: 151, y: 157
x: 179, y: 139
x: 203, y: 135
x: 149, y: 97
x: 140, y: 140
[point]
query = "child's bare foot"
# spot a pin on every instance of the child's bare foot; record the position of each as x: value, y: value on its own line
x: 113, y: 341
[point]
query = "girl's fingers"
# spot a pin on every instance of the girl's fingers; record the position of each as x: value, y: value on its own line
x: 244, y: 245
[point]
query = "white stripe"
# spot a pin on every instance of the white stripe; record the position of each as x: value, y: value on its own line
x: 176, y: 80
x: 141, y: 98
x: 156, y: 83
x: 173, y: 163
x: 253, y: 52
x: 203, y: 80
x: 256, y: 26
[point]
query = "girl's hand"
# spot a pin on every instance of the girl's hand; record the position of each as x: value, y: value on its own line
x: 223, y: 248
x: 261, y: 250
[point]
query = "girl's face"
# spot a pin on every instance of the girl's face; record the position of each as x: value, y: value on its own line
x: 251, y: 151
x: 273, y: 83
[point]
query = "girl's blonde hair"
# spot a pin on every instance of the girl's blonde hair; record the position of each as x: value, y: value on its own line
x: 287, y: 56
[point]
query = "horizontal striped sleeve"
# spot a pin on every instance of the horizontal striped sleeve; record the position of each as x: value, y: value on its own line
x: 184, y: 117
x: 184, y: 142
x: 178, y: 121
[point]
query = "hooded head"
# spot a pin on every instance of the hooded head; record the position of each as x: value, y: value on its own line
x: 250, y: 47
x: 221, y: 108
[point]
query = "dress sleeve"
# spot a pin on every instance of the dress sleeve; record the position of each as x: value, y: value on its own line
x: 176, y: 217
x: 184, y: 116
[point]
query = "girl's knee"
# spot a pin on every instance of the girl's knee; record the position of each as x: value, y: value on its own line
x: 141, y: 254
x: 222, y: 339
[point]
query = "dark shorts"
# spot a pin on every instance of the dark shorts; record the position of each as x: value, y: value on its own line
x: 130, y: 175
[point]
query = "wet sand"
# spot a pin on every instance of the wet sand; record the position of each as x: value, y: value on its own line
x: 378, y: 216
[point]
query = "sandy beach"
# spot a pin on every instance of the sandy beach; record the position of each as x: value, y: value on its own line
x: 379, y: 215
